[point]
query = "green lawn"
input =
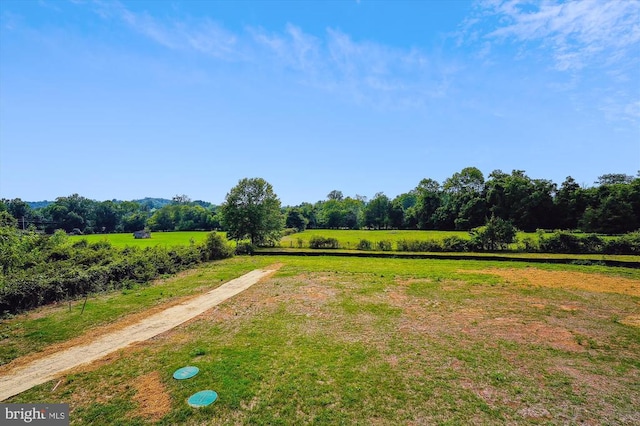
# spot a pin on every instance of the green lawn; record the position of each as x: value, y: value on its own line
x: 167, y: 239
x: 349, y: 238
x: 374, y: 341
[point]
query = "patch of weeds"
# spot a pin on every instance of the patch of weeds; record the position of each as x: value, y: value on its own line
x: 197, y: 352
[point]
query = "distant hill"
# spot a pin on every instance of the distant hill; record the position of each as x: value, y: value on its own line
x: 156, y: 203
x: 38, y: 204
x: 151, y: 203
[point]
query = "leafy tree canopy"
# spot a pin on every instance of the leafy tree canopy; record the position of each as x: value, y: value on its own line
x: 252, y: 211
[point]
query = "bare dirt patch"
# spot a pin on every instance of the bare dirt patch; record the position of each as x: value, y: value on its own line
x: 152, y: 397
x: 564, y: 279
x: 535, y: 332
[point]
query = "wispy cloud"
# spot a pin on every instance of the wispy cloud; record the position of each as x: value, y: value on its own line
x: 596, y: 43
x: 367, y: 71
x: 576, y: 32
x: 333, y: 61
x: 203, y: 36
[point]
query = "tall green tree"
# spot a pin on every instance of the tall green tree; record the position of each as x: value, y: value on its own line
x: 252, y: 210
x: 295, y: 219
x: 376, y: 212
x: 428, y: 200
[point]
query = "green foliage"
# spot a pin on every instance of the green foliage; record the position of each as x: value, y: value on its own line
x: 252, y: 211
x: 419, y: 245
x: 245, y: 247
x: 384, y: 245
x: 39, y: 269
x: 289, y: 231
x: 182, y: 217
x: 565, y: 242
x: 497, y: 234
x: 318, y: 242
x: 455, y: 244
x: 625, y: 244
x: 215, y: 247
x: 296, y: 220
x: 7, y: 220
x: 376, y: 212
x: 364, y: 245
x: 529, y: 244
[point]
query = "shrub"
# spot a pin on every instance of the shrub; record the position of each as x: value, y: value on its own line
x: 318, y: 242
x: 625, y: 244
x: 245, y: 248
x: 419, y: 245
x: 215, y: 247
x: 384, y: 245
x: 364, y: 245
x: 529, y: 245
x: 454, y: 243
x: 592, y: 244
x: 496, y: 234
x: 50, y: 269
x: 289, y: 231
x: 561, y: 242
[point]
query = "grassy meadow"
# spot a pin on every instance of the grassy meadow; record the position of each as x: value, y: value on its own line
x: 167, y: 239
x: 332, y: 340
x: 349, y: 238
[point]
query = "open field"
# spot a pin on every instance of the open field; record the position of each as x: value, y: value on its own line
x: 369, y: 341
x: 167, y: 239
x: 350, y: 238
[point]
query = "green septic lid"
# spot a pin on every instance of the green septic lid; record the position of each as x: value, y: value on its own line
x: 185, y: 373
x: 202, y: 398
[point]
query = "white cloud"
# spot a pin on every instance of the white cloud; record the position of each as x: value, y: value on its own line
x: 333, y: 61
x: 595, y: 42
x: 576, y: 33
x: 203, y: 36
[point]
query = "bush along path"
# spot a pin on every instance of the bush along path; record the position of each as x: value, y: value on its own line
x: 39, y: 269
x: 23, y: 377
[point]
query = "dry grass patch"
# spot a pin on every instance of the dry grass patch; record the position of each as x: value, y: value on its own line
x: 564, y: 279
x: 632, y: 320
x: 414, y: 343
x: 152, y: 397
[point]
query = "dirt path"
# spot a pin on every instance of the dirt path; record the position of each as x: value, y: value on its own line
x: 44, y: 369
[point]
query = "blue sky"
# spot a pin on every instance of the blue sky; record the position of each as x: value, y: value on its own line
x: 127, y: 99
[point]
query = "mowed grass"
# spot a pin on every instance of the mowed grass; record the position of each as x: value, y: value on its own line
x: 385, y: 341
x: 167, y: 239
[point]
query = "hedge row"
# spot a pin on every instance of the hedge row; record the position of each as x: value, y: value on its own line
x: 558, y: 242
x: 62, y: 271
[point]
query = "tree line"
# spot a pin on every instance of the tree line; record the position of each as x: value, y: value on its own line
x: 464, y: 201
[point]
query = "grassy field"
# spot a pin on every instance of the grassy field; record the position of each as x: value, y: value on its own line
x: 349, y: 239
x: 167, y: 239
x: 369, y: 341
